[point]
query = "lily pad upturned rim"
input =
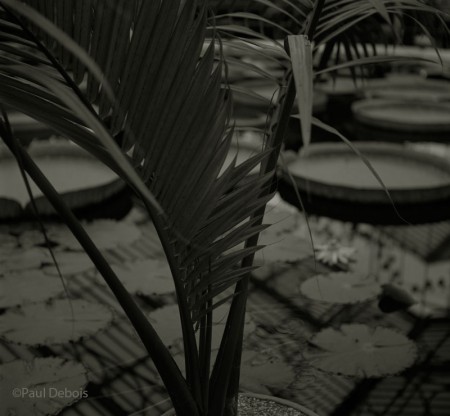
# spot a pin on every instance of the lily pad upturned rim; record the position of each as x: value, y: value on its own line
x: 362, y: 113
x: 76, y: 199
x: 357, y: 194
x: 393, y: 87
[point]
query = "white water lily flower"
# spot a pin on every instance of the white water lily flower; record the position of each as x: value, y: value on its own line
x: 333, y: 253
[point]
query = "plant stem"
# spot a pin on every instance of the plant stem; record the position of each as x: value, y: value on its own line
x: 189, y: 341
x: 312, y: 24
x: 206, y: 324
x: 226, y: 376
x: 230, y: 352
x: 177, y: 387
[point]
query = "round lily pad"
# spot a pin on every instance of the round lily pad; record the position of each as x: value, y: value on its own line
x: 362, y: 351
x: 280, y: 238
x: 43, y: 386
x: 146, y: 277
x: 262, y: 372
x: 55, y: 322
x: 69, y: 263
x: 7, y: 241
x: 16, y: 259
x: 27, y: 287
x: 340, y: 287
x: 166, y: 321
x: 286, y: 248
x: 106, y: 234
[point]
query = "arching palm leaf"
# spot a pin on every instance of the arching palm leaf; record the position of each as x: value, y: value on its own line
x: 169, y: 113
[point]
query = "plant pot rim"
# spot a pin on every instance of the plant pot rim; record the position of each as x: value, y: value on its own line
x: 284, y: 402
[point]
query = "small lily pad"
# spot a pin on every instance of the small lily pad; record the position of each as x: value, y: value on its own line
x: 146, y: 277
x: 341, y: 287
x: 43, y: 386
x: 34, y: 237
x: 55, y: 322
x: 17, y: 259
x: 7, y: 241
x: 287, y: 248
x: 262, y: 372
x: 166, y: 321
x: 362, y: 351
x: 282, y: 243
x: 106, y: 234
x: 69, y: 263
x: 27, y: 287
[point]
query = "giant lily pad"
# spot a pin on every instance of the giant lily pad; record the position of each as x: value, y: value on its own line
x: 27, y: 287
x: 80, y: 179
x: 40, y: 387
x: 340, y: 288
x: 54, y: 323
x: 358, y: 350
x: 146, y: 277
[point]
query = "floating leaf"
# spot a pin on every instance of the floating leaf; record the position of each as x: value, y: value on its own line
x: 263, y: 372
x: 146, y: 277
x: 26, y: 287
x: 358, y: 350
x: 7, y: 242
x: 40, y: 387
x: 282, y: 222
x: 31, y: 238
x: 69, y: 263
x: 289, y: 248
x: 16, y: 259
x: 282, y: 244
x: 166, y: 321
x: 106, y: 234
x: 54, y: 323
x: 340, y: 288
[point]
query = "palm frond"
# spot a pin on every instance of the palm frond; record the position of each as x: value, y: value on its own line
x: 171, y: 111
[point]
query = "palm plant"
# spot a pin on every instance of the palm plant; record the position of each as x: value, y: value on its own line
x: 131, y: 82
